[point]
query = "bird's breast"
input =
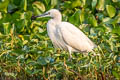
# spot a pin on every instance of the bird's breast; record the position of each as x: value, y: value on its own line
x: 55, y: 35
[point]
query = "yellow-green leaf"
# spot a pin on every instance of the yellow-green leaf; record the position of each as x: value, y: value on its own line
x: 100, y: 5
x: 110, y: 10
x: 94, y: 2
x: 54, y: 3
x: 82, y: 15
x: 4, y: 5
x: 39, y: 5
x: 76, y: 3
x: 25, y: 5
x: 93, y: 21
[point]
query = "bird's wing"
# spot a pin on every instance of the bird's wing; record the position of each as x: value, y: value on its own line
x: 75, y: 38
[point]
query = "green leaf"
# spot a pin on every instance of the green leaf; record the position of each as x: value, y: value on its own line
x: 39, y: 5
x: 4, y: 5
x: 116, y: 30
x: 76, y: 3
x: 107, y: 20
x: 75, y: 18
x: 25, y: 5
x: 67, y: 4
x: 42, y: 61
x: 20, y: 25
x: 36, y: 11
x: 11, y: 7
x: 116, y: 74
x: 116, y: 0
x: 47, y: 2
x: 100, y: 5
x: 54, y: 3
x: 111, y: 10
x: 94, y: 2
x: 92, y: 20
x: 6, y: 28
x: 82, y: 16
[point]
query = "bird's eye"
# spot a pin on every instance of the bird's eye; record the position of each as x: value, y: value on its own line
x: 48, y: 13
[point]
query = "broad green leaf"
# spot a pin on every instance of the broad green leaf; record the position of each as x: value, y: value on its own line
x: 82, y: 16
x: 25, y: 42
x: 116, y: 74
x: 111, y: 10
x: 53, y: 3
x: 94, y: 2
x: 11, y: 7
x: 6, y: 28
x: 107, y: 20
x: 47, y: 2
x: 75, y: 18
x: 42, y: 61
x: 28, y: 15
x: 116, y: 20
x: 76, y: 3
x: 16, y: 15
x: 36, y: 11
x: 0, y: 15
x: 39, y: 5
x: 116, y: 30
x: 20, y: 25
x: 25, y: 5
x: 4, y: 5
x: 116, y: 0
x: 100, y: 5
x: 67, y: 4
x: 28, y: 70
x: 83, y: 3
x: 92, y: 20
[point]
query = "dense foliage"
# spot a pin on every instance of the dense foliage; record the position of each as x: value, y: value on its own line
x: 27, y: 53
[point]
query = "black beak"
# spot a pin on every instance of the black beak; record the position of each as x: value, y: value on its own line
x: 42, y: 15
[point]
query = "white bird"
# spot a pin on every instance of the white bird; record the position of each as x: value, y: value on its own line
x: 65, y: 35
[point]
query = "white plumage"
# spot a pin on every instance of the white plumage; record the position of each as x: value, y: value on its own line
x: 65, y: 35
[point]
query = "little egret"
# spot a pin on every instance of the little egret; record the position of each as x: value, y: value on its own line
x: 65, y: 35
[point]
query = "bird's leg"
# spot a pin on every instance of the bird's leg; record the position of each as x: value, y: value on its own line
x: 65, y: 64
x: 70, y: 53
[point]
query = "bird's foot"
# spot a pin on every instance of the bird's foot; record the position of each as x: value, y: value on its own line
x: 65, y: 64
x: 70, y: 58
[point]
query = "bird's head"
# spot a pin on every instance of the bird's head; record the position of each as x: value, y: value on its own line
x: 53, y: 13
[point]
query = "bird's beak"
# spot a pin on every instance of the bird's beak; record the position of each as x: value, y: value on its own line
x: 42, y: 15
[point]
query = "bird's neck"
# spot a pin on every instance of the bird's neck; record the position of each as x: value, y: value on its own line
x: 57, y: 19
